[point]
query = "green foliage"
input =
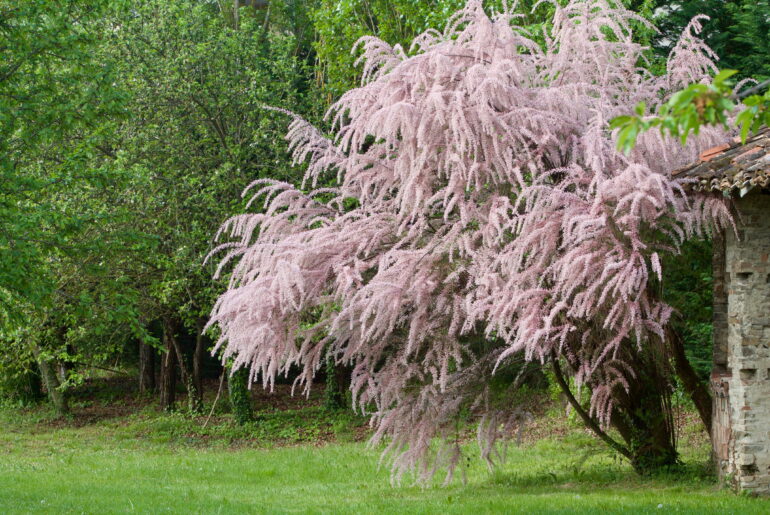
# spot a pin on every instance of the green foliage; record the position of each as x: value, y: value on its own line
x: 17, y: 366
x: 56, y: 103
x: 198, y: 133
x: 737, y: 31
x: 755, y: 115
x: 750, y: 33
x: 691, y: 108
x: 128, y: 132
x: 339, y: 24
x: 687, y: 287
x: 20, y: 382
x: 684, y: 113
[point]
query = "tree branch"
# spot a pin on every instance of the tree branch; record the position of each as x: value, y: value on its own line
x: 754, y: 89
x: 693, y: 385
x: 589, y: 422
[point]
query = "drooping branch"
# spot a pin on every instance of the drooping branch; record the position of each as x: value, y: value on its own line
x: 587, y: 419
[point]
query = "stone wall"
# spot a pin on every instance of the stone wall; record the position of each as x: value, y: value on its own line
x: 741, y: 429
x: 720, y: 303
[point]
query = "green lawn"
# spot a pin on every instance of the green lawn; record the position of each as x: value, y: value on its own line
x: 151, y: 464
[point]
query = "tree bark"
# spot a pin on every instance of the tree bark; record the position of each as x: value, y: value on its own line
x: 168, y: 370
x: 240, y: 396
x: 644, y: 413
x: 198, y: 355
x: 62, y: 371
x: 652, y: 440
x: 51, y: 382
x: 62, y: 367
x: 194, y: 398
x: 642, y: 416
x: 146, y: 368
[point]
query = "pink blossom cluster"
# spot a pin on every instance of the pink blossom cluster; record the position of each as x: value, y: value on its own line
x: 481, y: 215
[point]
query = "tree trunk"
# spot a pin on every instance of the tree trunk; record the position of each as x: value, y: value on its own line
x: 62, y: 367
x: 642, y: 416
x: 334, y: 394
x: 589, y: 422
x: 51, y: 382
x: 146, y: 368
x: 240, y: 396
x: 198, y: 355
x: 168, y: 371
x: 194, y: 399
x: 650, y: 434
x: 62, y: 371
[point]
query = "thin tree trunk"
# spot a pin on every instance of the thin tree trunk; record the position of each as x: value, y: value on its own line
x: 51, y: 382
x: 198, y: 356
x: 194, y: 399
x: 146, y: 368
x: 168, y: 372
x: 61, y: 371
x: 62, y: 367
x: 216, y: 399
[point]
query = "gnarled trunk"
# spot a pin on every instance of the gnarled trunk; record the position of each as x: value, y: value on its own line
x: 642, y: 416
x: 52, y: 385
x: 693, y: 385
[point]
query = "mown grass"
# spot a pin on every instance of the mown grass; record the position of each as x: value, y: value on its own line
x: 306, y: 460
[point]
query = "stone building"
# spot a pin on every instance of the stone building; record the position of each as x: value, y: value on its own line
x: 741, y: 375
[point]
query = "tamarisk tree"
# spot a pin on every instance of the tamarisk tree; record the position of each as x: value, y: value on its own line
x: 481, y: 217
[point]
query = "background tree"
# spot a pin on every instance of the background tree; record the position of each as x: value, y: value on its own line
x: 55, y: 99
x: 129, y: 129
x: 196, y: 86
x: 737, y: 31
x: 58, y: 103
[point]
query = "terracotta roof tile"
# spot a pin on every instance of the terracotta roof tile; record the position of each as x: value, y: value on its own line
x: 732, y: 166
